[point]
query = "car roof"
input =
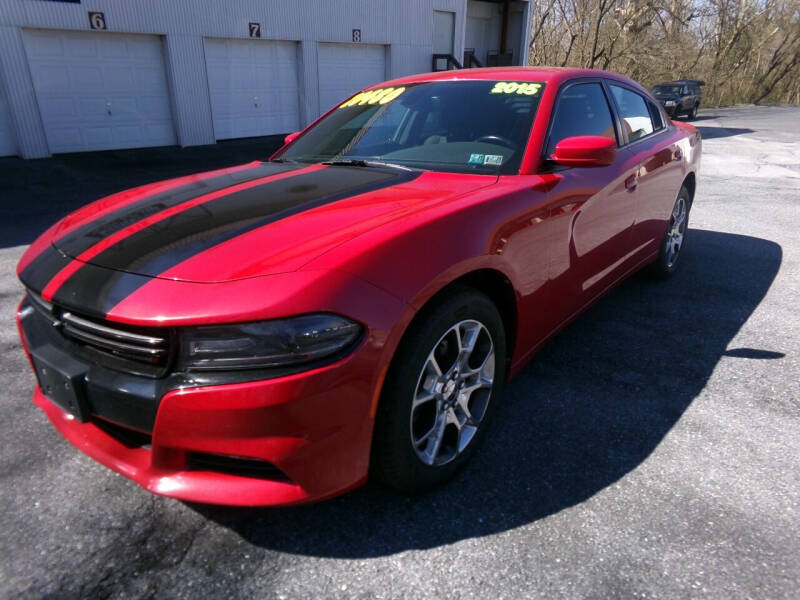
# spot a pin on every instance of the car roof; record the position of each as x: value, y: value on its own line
x: 554, y: 75
x: 683, y: 81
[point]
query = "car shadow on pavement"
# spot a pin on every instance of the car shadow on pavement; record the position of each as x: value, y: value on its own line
x: 701, y: 118
x: 710, y: 133
x: 590, y: 408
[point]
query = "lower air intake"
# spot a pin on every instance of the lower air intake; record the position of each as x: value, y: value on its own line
x: 235, y: 465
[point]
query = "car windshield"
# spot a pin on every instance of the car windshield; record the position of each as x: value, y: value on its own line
x: 457, y: 126
x: 667, y: 89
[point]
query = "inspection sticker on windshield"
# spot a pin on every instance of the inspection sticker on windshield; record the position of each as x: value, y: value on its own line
x: 516, y: 87
x: 379, y: 96
x: 476, y: 159
x: 493, y: 159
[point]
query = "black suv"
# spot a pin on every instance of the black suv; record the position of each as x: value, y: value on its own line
x: 679, y: 97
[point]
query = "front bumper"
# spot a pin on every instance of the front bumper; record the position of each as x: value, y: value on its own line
x: 286, y: 440
x: 282, y: 422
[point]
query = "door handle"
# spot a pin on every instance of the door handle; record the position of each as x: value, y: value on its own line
x: 631, y: 182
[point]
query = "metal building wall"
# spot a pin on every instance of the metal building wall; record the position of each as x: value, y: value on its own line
x: 405, y: 27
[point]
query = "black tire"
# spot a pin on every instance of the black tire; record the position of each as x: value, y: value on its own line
x: 667, y: 262
x: 675, y: 113
x: 692, y: 113
x: 394, y: 461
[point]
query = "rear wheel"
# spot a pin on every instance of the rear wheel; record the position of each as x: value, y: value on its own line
x: 441, y: 389
x: 675, y: 236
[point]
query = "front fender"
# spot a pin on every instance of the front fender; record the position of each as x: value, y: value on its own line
x: 413, y: 259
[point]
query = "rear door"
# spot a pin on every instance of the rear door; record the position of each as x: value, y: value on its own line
x: 687, y: 97
x: 593, y: 208
x: 694, y: 89
x: 658, y: 168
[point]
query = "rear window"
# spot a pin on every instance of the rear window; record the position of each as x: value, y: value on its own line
x: 636, y: 118
x: 667, y: 89
x: 655, y: 114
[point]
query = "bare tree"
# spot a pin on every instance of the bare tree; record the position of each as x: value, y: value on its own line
x: 746, y: 50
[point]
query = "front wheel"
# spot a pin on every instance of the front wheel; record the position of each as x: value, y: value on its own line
x: 442, y: 387
x: 675, y: 236
x: 693, y: 113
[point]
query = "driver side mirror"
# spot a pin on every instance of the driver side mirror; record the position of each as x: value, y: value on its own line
x: 585, y: 151
x: 291, y: 137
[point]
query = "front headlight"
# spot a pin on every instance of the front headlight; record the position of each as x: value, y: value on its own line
x: 669, y: 103
x: 264, y: 344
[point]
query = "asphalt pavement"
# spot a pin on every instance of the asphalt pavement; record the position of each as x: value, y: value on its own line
x: 650, y: 450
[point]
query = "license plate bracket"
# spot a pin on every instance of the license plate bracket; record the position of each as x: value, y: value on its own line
x: 63, y: 382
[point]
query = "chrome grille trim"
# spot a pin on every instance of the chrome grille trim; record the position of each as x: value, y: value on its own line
x: 145, y: 347
x: 110, y: 344
x: 119, y: 342
x: 74, y: 322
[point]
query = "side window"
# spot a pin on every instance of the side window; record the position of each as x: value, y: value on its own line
x: 658, y: 122
x: 581, y: 110
x: 633, y: 110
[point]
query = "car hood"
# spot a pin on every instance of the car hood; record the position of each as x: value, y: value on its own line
x: 665, y: 97
x: 258, y: 219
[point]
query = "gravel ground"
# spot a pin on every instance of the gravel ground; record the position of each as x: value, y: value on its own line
x: 650, y: 450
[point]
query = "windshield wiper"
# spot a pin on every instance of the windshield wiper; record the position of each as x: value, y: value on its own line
x: 360, y: 162
x: 285, y: 160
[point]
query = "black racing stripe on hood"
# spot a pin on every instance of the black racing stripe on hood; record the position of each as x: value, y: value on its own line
x: 112, y: 288
x: 45, y: 266
x: 166, y: 244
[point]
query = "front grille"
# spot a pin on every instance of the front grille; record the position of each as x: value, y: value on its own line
x: 123, y: 345
x: 126, y: 344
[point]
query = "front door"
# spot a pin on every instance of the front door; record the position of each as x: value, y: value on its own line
x: 593, y: 209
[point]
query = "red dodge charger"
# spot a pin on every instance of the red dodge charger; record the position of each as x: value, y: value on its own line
x: 277, y: 332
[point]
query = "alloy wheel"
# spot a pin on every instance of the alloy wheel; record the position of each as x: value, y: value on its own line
x: 452, y: 393
x: 676, y: 231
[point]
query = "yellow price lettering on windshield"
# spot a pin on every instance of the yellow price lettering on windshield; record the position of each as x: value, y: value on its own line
x: 379, y: 96
x: 515, y: 87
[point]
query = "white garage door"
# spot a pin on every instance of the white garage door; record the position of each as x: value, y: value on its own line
x: 7, y: 145
x: 346, y: 68
x: 100, y: 91
x: 253, y: 85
